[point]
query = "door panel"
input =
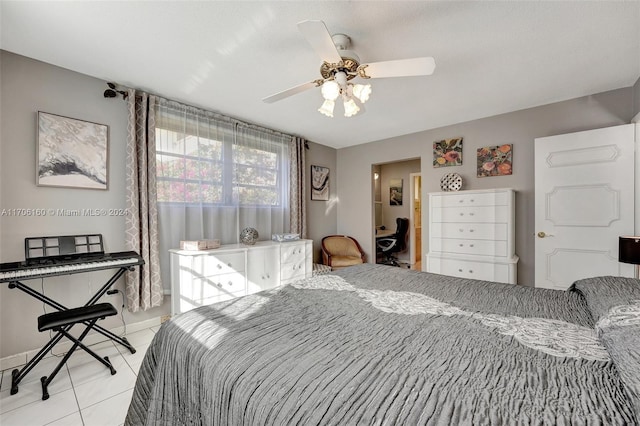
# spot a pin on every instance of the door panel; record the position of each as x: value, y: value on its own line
x: 584, y: 200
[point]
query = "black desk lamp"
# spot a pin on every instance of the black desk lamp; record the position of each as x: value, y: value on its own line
x: 629, y: 252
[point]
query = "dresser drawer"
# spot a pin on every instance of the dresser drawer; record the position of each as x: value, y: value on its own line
x: 293, y: 271
x: 470, y: 214
x: 233, y: 283
x: 476, y: 199
x: 476, y: 231
x: 499, y: 272
x: 292, y: 252
x: 223, y: 263
x: 466, y: 246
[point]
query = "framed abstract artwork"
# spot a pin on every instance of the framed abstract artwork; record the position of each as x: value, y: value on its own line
x: 447, y: 152
x: 395, y: 192
x: 71, y: 153
x: 495, y: 160
x: 319, y: 183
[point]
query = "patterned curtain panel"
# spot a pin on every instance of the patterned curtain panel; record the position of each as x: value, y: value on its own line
x: 143, y: 286
x: 297, y: 193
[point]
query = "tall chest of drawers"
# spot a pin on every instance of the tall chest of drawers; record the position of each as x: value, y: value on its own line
x: 472, y: 235
x: 202, y: 277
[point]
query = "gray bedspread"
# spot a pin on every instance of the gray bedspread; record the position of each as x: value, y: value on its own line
x: 377, y: 345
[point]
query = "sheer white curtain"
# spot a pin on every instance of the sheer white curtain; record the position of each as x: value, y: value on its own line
x: 217, y: 176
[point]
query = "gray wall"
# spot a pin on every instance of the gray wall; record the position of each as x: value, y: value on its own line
x: 322, y: 216
x: 519, y: 128
x: 636, y: 98
x: 26, y: 87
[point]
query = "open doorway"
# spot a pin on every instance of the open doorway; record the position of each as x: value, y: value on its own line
x: 393, y: 198
x: 415, y: 220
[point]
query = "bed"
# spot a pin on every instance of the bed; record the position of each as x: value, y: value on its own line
x: 377, y: 345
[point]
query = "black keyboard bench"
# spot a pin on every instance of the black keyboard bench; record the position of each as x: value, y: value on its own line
x: 62, y: 321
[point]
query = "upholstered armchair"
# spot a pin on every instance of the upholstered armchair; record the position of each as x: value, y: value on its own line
x: 339, y: 251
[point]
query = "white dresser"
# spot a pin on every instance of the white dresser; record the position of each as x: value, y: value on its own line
x: 202, y: 277
x: 471, y: 235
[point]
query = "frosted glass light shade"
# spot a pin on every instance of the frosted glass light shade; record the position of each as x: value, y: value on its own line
x: 327, y: 108
x: 362, y: 92
x: 330, y: 90
x: 350, y: 108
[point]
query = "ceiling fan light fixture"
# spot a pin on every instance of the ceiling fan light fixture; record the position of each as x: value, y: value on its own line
x: 330, y: 90
x: 350, y: 108
x: 327, y: 107
x: 362, y: 92
x: 340, y: 65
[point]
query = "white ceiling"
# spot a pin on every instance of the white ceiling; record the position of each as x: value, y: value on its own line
x: 491, y: 57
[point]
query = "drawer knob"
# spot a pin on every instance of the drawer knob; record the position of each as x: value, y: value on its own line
x: 460, y: 201
x: 470, y: 214
x: 471, y: 200
x: 471, y: 271
x: 229, y: 264
x: 461, y: 230
x: 461, y: 214
x: 461, y: 245
x: 230, y: 282
x: 470, y: 230
x: 459, y: 270
x: 219, y: 266
x: 470, y: 245
x: 219, y: 285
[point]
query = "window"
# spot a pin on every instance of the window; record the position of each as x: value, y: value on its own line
x: 196, y: 164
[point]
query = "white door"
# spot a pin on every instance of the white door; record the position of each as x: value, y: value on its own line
x: 584, y: 200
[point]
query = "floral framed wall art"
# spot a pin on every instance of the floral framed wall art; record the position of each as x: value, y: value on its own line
x: 72, y: 153
x: 447, y: 152
x: 319, y: 183
x: 495, y: 160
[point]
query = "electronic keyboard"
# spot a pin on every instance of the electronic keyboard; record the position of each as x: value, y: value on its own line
x: 65, y: 255
x: 14, y: 271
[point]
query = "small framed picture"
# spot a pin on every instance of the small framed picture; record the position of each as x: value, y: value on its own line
x: 319, y: 183
x: 395, y: 192
x: 72, y: 153
x: 447, y: 152
x: 495, y: 160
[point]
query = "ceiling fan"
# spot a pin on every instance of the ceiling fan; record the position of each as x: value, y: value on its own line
x: 340, y: 65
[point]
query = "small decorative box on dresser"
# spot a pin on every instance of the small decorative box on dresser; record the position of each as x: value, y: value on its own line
x: 202, y: 277
x: 471, y: 234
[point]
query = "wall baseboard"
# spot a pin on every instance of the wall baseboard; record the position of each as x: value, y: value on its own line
x: 17, y: 360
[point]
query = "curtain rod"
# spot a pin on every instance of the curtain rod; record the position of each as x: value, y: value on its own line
x: 114, y: 90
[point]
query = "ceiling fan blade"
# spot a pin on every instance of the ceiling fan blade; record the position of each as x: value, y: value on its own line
x: 399, y: 68
x: 290, y: 92
x: 318, y: 36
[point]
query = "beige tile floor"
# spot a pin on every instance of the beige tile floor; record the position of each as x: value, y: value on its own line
x: 83, y: 392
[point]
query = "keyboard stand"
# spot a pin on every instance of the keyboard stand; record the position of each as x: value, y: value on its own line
x: 18, y: 375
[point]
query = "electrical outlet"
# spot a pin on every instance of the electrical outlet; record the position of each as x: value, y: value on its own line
x: 165, y: 318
